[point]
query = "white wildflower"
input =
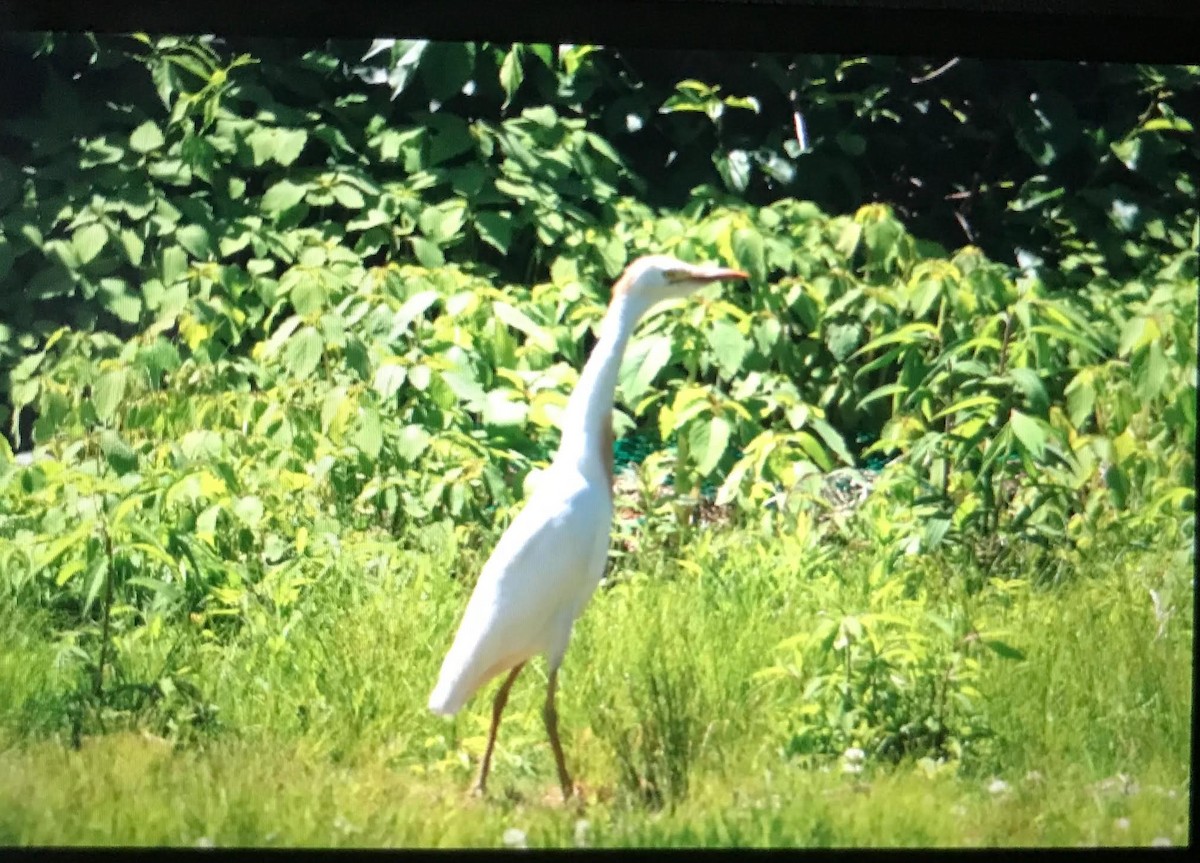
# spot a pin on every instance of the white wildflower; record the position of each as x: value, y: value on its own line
x: 514, y: 838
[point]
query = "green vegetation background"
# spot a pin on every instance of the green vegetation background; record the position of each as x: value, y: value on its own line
x: 287, y: 327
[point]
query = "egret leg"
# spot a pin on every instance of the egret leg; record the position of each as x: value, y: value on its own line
x: 497, y: 709
x: 551, y: 716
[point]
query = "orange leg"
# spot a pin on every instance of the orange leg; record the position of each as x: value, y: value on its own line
x: 497, y: 709
x: 551, y: 717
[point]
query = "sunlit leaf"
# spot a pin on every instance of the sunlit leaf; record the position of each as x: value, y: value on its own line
x: 108, y: 392
x: 146, y: 137
x: 707, y: 441
x: 87, y: 242
x: 1029, y: 431
x: 303, y: 351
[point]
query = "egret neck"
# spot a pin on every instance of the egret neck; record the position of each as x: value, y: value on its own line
x: 587, y: 436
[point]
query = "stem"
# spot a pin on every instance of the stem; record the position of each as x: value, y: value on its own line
x: 108, y: 596
x: 1004, y: 341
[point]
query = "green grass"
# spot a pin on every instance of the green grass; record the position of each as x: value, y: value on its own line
x: 321, y: 736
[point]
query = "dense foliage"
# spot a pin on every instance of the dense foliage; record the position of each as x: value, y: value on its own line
x: 272, y: 311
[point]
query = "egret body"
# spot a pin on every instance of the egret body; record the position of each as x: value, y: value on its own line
x: 549, y: 561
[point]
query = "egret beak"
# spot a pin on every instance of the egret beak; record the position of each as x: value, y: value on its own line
x: 716, y: 274
x: 711, y: 273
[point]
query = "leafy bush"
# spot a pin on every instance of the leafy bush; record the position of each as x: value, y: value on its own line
x: 900, y: 683
x: 267, y: 323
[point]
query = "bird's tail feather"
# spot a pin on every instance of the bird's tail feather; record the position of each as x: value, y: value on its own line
x: 457, y: 681
x: 463, y: 673
x: 445, y: 700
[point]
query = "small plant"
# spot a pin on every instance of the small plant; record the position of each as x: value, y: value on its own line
x: 896, y: 684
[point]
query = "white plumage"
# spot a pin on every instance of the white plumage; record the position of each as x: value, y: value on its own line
x: 531, y: 589
x: 549, y: 561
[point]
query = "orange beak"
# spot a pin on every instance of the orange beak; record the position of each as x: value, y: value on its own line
x: 716, y: 274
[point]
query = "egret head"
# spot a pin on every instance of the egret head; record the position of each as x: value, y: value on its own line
x: 655, y: 278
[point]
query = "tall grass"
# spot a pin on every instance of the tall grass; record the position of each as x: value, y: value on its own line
x: 317, y: 732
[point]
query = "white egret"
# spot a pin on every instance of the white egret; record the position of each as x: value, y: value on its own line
x: 549, y: 561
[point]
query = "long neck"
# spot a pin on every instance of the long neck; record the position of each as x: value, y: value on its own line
x: 587, y: 436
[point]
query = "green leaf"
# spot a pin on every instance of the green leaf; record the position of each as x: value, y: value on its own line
x: 909, y: 334
x: 518, y: 320
x: 443, y: 222
x: 1152, y: 371
x: 412, y: 441
x: 813, y: 449
x: 120, y: 456
x: 263, y: 143
x: 881, y: 392
x: 707, y: 442
x: 446, y: 68
x: 119, y: 302
x: 1029, y: 431
x: 87, y: 242
x: 158, y: 358
x: 308, y: 294
x: 52, y: 281
x: 303, y: 352
x: 1138, y: 331
x: 1003, y: 649
x: 847, y: 241
x: 97, y: 572
x: 174, y: 264
x: 451, y: 137
x: 134, y: 247
x: 53, y: 408
x: 734, y: 169
x: 511, y: 73
x: 504, y: 407
x: 290, y: 143
x: 195, y: 240
x: 428, y: 253
x: 832, y: 439
x: 935, y: 532
x: 107, y: 393
x: 283, y: 196
x: 964, y: 405
x: 544, y: 116
x: 249, y: 510
x: 643, y: 361
x: 1117, y: 480
x: 766, y: 334
x: 1081, y: 398
x: 729, y: 347
x: 413, y: 308
x: 349, y: 197
x: 388, y: 379
x: 464, y: 385
x: 146, y: 137
x: 369, y: 437
x: 748, y: 250
x: 495, y: 227
x: 842, y: 339
x: 1030, y: 384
